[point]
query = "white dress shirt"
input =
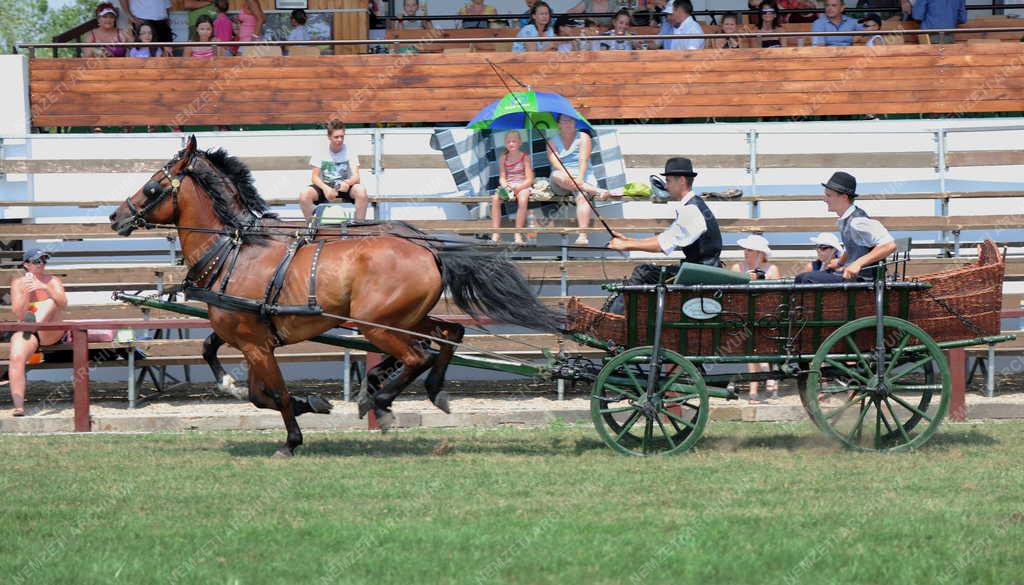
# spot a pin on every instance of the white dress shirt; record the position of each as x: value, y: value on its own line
x: 688, y: 27
x: 866, y: 231
x: 686, y: 228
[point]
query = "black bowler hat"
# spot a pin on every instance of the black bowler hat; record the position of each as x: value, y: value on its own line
x: 679, y: 166
x: 842, y: 183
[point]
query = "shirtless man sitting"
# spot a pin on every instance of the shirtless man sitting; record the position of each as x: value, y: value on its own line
x: 35, y: 297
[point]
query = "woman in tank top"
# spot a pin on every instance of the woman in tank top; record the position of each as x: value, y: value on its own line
x: 571, y: 173
x: 107, y: 32
x: 250, y: 20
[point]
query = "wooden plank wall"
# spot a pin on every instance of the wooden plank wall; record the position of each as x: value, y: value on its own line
x: 612, y: 85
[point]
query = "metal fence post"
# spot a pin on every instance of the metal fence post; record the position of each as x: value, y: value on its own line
x: 752, y: 163
x: 940, y: 167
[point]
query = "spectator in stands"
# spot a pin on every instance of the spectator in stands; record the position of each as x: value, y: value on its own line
x: 476, y: 8
x: 541, y: 26
x: 796, y: 16
x: 335, y: 175
x: 834, y: 21
x: 887, y: 8
x: 203, y: 34
x: 754, y: 17
x: 591, y: 6
x: 618, y: 35
x: 872, y: 21
x: 566, y: 28
x: 153, y: 12
x: 755, y: 264
x: 299, y: 31
x: 829, y: 249
x: 250, y: 21
x: 197, y: 8
x: 935, y: 14
x: 515, y: 175
x: 865, y: 240
x: 106, y: 16
x: 145, y: 35
x: 770, y: 24
x: 223, y: 28
x: 571, y: 173
x: 525, y: 19
x: 730, y: 25
x: 409, y: 19
x: 35, y: 297
x: 684, y: 23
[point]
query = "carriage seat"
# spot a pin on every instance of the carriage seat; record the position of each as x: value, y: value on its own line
x: 701, y: 274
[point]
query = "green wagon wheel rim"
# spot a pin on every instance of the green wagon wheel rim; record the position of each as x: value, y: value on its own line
x: 894, y: 411
x: 635, y: 421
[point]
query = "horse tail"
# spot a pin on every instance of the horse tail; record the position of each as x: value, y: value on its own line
x: 487, y: 283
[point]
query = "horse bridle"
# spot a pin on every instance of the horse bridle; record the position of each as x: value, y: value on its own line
x: 155, y: 192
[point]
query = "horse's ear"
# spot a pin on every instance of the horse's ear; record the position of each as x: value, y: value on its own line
x: 190, y: 147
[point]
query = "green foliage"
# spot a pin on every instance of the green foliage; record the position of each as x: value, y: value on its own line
x: 28, y: 21
x: 754, y: 503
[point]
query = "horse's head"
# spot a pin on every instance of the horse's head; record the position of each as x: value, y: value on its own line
x: 157, y: 201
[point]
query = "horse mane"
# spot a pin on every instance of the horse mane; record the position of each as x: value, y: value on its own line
x: 229, y: 182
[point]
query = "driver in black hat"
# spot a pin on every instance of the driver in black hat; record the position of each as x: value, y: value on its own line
x: 866, y: 240
x: 695, y: 230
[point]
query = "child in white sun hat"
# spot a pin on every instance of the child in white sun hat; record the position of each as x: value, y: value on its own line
x: 755, y: 259
x: 829, y: 249
x: 755, y: 263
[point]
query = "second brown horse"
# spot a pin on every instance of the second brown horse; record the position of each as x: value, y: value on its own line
x: 392, y: 281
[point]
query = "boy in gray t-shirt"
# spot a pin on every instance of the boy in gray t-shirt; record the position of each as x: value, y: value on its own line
x: 335, y: 175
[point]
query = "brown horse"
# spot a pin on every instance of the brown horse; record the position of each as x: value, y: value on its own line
x: 234, y: 246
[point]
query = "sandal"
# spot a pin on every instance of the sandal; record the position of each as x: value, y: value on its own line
x: 19, y: 412
x: 582, y: 240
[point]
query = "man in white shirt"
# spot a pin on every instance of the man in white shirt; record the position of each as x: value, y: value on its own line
x: 694, y: 231
x: 335, y: 175
x: 153, y: 12
x: 866, y: 241
x: 682, y: 19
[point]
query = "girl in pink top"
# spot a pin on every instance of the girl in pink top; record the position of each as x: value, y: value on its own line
x: 203, y: 34
x: 223, y: 29
x: 516, y: 180
x: 250, y: 20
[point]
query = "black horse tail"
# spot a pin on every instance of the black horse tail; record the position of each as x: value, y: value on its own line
x: 483, y: 283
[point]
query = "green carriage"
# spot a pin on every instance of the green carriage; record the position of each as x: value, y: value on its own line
x: 867, y: 356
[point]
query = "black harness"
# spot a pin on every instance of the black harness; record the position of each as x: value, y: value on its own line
x: 207, y: 270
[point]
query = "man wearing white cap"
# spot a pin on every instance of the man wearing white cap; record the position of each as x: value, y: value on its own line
x: 755, y: 259
x: 865, y: 240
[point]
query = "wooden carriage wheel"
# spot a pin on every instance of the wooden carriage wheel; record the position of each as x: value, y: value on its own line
x: 635, y: 419
x: 888, y: 410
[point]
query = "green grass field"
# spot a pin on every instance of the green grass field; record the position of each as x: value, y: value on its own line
x: 755, y: 503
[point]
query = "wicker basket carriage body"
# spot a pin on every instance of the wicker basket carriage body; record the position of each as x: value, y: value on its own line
x: 782, y: 322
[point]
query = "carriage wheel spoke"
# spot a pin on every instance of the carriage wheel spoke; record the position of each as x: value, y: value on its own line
x: 664, y: 431
x: 641, y: 388
x: 897, y: 353
x: 675, y: 425
x: 910, y: 370
x: 629, y: 424
x: 648, y: 434
x: 860, y: 355
x: 885, y: 421
x: 911, y: 407
x: 846, y: 370
x: 617, y: 410
x: 681, y: 398
x: 841, y: 409
x: 855, y: 434
x: 899, y: 425
x: 672, y: 416
x: 878, y: 426
x: 620, y: 391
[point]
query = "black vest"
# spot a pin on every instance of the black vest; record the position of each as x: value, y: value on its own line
x: 854, y: 250
x: 707, y: 249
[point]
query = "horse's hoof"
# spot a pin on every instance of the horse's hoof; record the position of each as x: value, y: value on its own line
x: 283, y: 453
x: 319, y: 405
x: 441, y: 402
x: 385, y: 420
x: 228, y: 385
x: 365, y: 402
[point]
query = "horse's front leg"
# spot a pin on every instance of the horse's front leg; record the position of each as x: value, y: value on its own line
x: 226, y: 383
x: 267, y: 390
